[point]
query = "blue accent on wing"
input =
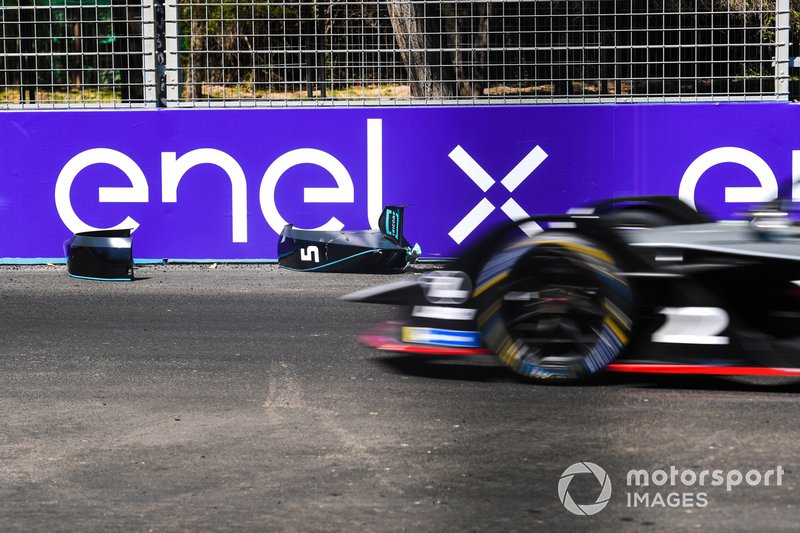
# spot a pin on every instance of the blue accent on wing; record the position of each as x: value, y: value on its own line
x: 98, y: 279
x: 462, y: 339
x: 325, y: 265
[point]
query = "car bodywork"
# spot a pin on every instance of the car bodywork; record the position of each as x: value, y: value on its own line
x: 105, y: 255
x: 629, y: 285
x: 381, y: 250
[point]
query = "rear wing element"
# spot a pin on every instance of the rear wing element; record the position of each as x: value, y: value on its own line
x: 391, y: 224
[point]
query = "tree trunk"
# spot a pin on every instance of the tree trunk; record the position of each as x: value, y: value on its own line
x: 480, y: 55
x: 27, y: 48
x: 77, y: 59
x: 195, y: 75
x: 128, y: 51
x: 425, y: 67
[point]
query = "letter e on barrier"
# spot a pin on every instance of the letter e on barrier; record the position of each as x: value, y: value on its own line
x: 138, y: 192
x: 343, y: 192
x: 766, y: 191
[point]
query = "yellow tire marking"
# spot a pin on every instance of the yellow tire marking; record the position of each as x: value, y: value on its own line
x: 491, y: 283
x: 484, y: 317
x: 616, y: 329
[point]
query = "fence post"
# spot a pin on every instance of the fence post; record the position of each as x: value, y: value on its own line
x: 161, y: 54
x: 171, y: 44
x: 782, y: 49
x: 149, y: 51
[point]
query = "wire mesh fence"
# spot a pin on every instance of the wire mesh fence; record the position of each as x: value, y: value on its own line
x: 360, y: 52
x: 74, y: 53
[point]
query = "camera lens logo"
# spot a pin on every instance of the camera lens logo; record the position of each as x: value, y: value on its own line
x: 586, y: 509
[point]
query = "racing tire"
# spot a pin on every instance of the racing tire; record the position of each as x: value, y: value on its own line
x: 554, y: 307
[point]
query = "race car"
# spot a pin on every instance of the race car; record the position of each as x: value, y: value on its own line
x: 638, y: 284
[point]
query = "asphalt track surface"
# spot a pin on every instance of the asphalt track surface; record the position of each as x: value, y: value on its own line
x: 237, y: 398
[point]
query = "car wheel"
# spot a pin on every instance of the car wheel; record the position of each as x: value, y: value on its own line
x: 554, y: 307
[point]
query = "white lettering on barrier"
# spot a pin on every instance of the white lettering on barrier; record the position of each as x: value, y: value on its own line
x: 374, y: 171
x: 342, y: 193
x: 138, y: 192
x: 796, y: 175
x: 484, y: 181
x: 768, y: 189
x: 173, y: 168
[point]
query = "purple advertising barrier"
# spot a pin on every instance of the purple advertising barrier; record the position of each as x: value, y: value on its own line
x: 220, y: 184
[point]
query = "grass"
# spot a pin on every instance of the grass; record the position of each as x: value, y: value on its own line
x: 85, y: 95
x: 98, y: 95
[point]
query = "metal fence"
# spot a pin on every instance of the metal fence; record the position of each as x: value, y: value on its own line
x: 127, y: 53
x: 73, y: 53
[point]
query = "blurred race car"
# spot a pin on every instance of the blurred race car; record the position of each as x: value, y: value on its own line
x: 641, y: 284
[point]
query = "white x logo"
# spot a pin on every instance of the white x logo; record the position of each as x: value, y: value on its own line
x: 482, y: 179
